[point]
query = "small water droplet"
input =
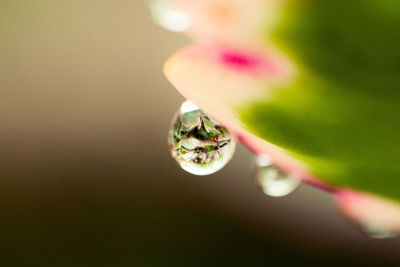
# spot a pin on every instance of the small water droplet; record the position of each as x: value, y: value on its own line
x: 167, y: 16
x: 376, y: 232
x: 199, y: 144
x: 272, y: 180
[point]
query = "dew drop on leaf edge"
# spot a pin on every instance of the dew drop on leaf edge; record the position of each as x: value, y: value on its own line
x: 199, y: 144
x: 271, y: 180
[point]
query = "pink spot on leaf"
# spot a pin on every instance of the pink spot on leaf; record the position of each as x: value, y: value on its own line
x: 242, y: 61
x: 238, y: 60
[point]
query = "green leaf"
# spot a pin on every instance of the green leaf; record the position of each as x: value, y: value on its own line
x: 342, y: 114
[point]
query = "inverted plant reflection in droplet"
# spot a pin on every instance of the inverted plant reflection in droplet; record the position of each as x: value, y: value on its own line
x: 199, y: 144
x: 272, y: 180
x: 165, y: 15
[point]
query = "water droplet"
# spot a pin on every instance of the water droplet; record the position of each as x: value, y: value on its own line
x: 376, y: 232
x: 199, y: 144
x: 167, y: 16
x: 272, y: 180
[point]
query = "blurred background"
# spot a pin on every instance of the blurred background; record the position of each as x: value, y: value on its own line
x: 86, y: 178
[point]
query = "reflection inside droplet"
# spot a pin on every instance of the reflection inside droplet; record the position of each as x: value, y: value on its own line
x: 166, y: 16
x: 273, y: 181
x: 199, y: 144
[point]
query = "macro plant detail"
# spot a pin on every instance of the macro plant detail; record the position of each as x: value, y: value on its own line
x: 312, y: 84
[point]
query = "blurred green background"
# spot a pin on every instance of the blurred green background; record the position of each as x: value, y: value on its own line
x: 85, y: 173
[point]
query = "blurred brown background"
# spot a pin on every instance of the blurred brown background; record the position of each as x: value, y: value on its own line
x: 85, y: 173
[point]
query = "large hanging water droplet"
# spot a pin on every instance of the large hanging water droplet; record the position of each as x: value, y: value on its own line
x: 272, y: 180
x: 199, y: 144
x: 167, y: 16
